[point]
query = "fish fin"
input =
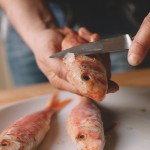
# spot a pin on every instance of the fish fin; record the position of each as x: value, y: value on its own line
x: 55, y: 103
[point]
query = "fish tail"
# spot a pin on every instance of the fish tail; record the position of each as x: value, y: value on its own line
x: 56, y: 104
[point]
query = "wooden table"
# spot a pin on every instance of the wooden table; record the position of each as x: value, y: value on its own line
x: 137, y: 78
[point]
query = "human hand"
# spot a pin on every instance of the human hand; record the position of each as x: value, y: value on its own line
x: 50, y: 42
x: 141, y: 43
x: 53, y: 41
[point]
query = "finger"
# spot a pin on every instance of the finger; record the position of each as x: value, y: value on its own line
x: 72, y: 39
x: 140, y: 44
x: 66, y: 30
x: 94, y: 37
x: 60, y: 83
x: 88, y: 36
x: 85, y: 34
x: 112, y: 86
x: 58, y: 67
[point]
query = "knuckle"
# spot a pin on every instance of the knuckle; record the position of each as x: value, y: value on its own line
x: 55, y: 80
x: 61, y: 73
x: 51, y: 77
x: 139, y: 43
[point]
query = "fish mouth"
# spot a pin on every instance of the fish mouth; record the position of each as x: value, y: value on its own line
x: 9, y: 144
x: 98, y: 95
x: 5, y: 143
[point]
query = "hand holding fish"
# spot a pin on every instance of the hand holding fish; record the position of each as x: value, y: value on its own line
x: 44, y: 37
x: 55, y: 69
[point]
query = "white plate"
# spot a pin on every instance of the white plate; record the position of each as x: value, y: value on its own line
x: 130, y: 108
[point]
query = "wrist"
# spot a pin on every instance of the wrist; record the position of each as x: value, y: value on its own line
x: 2, y: 4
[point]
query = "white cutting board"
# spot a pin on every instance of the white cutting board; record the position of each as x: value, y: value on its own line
x: 129, y: 108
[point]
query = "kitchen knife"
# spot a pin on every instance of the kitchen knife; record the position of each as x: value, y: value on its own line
x: 114, y: 44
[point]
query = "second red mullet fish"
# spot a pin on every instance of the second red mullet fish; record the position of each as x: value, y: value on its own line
x: 28, y: 132
x: 85, y: 126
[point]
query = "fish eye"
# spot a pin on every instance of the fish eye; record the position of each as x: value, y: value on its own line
x: 85, y: 77
x: 81, y: 137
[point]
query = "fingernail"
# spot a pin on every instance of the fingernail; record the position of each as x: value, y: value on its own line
x: 134, y: 59
x: 94, y: 37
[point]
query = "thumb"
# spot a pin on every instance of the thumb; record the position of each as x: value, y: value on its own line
x: 141, y: 43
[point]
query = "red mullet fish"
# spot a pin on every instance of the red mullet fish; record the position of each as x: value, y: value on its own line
x: 86, y: 73
x: 28, y: 132
x: 85, y: 126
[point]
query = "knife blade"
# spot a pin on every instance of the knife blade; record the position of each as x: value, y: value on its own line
x: 114, y: 44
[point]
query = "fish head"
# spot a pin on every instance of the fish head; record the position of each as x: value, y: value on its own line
x: 9, y: 144
x: 88, y: 75
x: 90, y: 135
x: 86, y: 140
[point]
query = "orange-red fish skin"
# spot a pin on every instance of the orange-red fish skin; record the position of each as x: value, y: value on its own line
x: 88, y: 75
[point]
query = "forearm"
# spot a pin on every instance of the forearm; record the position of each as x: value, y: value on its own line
x: 29, y: 17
